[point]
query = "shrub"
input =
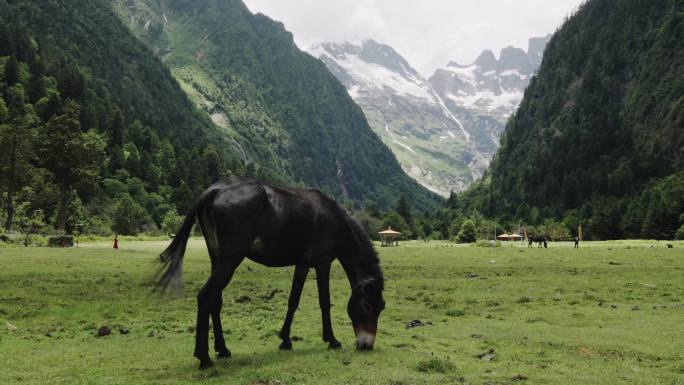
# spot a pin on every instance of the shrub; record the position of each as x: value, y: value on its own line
x: 455, y: 313
x: 467, y: 233
x: 128, y: 216
x: 487, y: 243
x: 524, y: 299
x: 435, y: 365
x: 171, y: 222
x: 679, y: 235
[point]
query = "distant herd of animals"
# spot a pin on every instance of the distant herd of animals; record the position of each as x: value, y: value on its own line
x: 279, y: 226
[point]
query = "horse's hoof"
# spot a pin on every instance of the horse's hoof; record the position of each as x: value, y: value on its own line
x: 205, y: 364
x: 335, y: 345
x: 224, y: 353
x: 285, y: 345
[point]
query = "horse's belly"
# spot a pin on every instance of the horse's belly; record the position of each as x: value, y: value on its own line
x: 274, y: 261
x: 264, y: 253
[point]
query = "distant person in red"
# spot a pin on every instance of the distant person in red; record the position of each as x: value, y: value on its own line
x: 116, y: 241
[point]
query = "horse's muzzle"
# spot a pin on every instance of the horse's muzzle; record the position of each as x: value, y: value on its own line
x: 364, y: 340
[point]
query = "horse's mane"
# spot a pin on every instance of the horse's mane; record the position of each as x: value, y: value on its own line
x: 368, y: 256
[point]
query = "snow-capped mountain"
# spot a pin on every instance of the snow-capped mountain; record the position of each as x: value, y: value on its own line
x: 444, y: 131
x: 431, y: 144
x: 485, y: 93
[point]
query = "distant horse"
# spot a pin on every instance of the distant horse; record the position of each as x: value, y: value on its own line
x: 537, y: 238
x: 278, y: 226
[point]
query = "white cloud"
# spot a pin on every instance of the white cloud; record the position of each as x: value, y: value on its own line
x: 429, y: 33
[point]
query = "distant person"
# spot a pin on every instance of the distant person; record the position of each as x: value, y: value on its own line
x: 116, y: 242
x: 577, y: 242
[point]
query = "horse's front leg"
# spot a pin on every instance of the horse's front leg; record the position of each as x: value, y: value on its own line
x: 323, y: 281
x: 298, y: 280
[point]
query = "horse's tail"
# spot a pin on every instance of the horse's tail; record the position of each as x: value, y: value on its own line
x: 172, y: 258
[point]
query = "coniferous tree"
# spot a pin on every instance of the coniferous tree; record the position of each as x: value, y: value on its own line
x: 467, y: 233
x: 70, y: 154
x: 17, y: 134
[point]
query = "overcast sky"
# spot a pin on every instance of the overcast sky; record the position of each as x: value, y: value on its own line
x: 428, y: 33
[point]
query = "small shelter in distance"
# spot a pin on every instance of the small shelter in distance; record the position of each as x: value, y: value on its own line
x: 387, y: 237
x: 510, y: 237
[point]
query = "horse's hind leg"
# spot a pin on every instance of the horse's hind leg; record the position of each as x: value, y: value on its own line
x: 207, y: 301
x: 298, y: 280
x: 219, y: 342
x: 323, y: 282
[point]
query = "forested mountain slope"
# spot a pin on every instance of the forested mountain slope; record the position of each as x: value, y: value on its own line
x: 95, y: 132
x: 289, y: 113
x: 599, y: 135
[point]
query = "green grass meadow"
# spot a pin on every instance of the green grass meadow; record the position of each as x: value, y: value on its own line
x: 608, y: 313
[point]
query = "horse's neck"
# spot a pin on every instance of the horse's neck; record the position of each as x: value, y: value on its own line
x: 356, y: 268
x: 356, y: 258
x: 356, y: 272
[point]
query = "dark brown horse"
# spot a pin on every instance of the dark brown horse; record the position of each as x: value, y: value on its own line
x: 537, y: 238
x: 278, y: 226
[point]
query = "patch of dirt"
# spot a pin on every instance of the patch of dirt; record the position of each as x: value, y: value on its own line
x: 401, y: 345
x: 489, y: 355
x: 243, y: 299
x: 610, y: 354
x: 585, y: 352
x: 270, y: 295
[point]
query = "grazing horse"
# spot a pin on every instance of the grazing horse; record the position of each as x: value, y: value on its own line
x: 537, y: 238
x: 278, y: 226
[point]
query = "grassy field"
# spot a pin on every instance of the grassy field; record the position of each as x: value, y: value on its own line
x: 609, y: 313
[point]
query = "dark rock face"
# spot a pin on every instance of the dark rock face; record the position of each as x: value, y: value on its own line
x: 486, y: 61
x: 535, y: 49
x: 515, y: 59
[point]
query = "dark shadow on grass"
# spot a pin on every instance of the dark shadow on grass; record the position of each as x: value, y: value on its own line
x: 255, y: 360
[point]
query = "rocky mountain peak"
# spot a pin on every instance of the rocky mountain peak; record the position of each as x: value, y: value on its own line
x: 486, y: 61
x: 535, y: 49
x: 386, y: 56
x: 512, y: 58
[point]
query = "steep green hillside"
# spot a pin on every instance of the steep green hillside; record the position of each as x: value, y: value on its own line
x: 94, y: 130
x: 291, y: 115
x: 599, y: 135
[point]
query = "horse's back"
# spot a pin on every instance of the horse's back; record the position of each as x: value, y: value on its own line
x: 275, y: 226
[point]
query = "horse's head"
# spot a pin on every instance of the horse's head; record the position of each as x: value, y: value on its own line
x: 365, y: 305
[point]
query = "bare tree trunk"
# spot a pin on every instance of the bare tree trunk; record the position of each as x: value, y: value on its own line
x: 64, y: 194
